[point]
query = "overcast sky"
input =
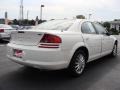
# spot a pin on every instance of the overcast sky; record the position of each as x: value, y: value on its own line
x: 59, y: 9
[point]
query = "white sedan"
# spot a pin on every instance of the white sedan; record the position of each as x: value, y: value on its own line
x: 61, y: 44
x: 5, y: 32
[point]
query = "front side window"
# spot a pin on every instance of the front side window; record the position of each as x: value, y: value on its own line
x: 100, y: 29
x: 88, y: 28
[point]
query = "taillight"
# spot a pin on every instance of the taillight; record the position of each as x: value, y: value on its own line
x: 1, y: 30
x: 50, y: 41
x: 48, y: 38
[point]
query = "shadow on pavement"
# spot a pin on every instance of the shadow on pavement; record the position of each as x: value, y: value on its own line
x: 31, y: 79
x: 3, y: 42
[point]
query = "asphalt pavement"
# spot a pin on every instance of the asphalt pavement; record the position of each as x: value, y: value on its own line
x: 102, y: 74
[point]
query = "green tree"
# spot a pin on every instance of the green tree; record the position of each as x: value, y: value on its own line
x: 41, y: 21
x: 107, y: 25
x: 114, y: 31
x: 32, y: 22
x: 116, y: 19
x: 80, y: 17
x: 25, y: 22
x: 15, y: 22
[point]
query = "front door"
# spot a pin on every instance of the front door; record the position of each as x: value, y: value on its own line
x: 107, y: 41
x: 92, y: 40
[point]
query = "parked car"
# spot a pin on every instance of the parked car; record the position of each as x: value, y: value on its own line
x: 25, y: 27
x: 5, y: 32
x: 62, y: 44
x: 15, y: 27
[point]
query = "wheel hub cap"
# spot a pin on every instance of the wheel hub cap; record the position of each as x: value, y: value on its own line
x: 80, y: 64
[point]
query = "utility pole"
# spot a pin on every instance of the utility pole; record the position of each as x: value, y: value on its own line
x: 36, y: 23
x: 21, y: 11
x: 27, y: 17
x: 41, y: 11
x: 27, y: 14
x: 6, y: 18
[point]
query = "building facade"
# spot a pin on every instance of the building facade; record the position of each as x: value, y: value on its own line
x: 2, y: 21
x: 5, y: 21
x: 115, y: 24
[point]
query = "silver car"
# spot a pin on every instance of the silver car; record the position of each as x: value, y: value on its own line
x: 5, y: 32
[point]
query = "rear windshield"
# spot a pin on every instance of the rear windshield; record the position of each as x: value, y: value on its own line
x: 55, y: 25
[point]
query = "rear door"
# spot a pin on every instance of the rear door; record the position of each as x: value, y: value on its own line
x: 92, y: 40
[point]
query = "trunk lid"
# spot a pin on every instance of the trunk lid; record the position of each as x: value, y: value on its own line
x: 26, y: 37
x: 30, y: 37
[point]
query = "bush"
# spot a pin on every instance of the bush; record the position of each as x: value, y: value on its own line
x: 114, y: 31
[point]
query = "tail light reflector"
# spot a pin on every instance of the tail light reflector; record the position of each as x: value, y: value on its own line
x: 1, y: 30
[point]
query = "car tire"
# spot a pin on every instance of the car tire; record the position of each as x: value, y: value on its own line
x: 1, y: 41
x: 78, y: 63
x: 114, y: 51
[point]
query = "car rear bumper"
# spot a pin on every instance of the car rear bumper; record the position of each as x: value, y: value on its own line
x: 40, y: 65
x: 4, y: 36
x: 50, y: 59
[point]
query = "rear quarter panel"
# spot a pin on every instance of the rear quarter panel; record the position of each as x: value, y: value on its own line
x: 70, y: 43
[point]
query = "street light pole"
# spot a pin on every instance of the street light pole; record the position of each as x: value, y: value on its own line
x: 27, y: 14
x: 41, y: 12
x: 21, y: 12
x: 27, y: 17
x: 90, y: 16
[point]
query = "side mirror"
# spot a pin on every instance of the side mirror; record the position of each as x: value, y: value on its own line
x: 108, y: 34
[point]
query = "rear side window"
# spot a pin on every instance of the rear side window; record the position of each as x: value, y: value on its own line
x: 88, y: 28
